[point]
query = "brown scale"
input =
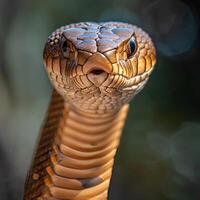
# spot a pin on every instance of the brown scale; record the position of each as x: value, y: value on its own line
x: 96, y: 69
x: 41, y: 161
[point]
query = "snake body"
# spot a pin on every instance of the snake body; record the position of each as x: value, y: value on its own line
x: 96, y: 69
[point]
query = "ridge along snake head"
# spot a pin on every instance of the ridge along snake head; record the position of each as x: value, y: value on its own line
x: 99, y: 67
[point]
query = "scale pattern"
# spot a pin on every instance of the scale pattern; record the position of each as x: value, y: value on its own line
x: 35, y: 178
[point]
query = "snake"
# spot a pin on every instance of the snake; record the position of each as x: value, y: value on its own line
x: 96, y: 69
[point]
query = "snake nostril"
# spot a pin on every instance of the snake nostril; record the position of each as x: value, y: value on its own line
x: 97, y: 71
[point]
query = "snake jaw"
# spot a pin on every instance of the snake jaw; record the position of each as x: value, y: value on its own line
x: 97, y: 79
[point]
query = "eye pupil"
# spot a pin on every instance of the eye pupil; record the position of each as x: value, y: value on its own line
x: 64, y: 46
x: 132, y: 46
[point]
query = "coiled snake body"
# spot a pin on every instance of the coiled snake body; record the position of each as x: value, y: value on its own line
x: 96, y: 69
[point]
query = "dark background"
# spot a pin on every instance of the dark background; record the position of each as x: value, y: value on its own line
x: 159, y: 156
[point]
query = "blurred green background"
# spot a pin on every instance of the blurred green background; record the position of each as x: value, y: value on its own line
x: 159, y: 155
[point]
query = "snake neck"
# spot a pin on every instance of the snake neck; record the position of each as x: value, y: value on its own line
x: 83, y: 154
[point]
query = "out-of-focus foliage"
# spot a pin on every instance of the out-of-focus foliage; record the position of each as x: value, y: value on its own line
x: 159, y: 154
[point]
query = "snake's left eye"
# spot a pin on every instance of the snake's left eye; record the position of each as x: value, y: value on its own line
x: 64, y: 46
x: 65, y: 49
x: 132, y: 46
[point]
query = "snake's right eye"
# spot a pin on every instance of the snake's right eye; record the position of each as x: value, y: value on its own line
x: 132, y: 46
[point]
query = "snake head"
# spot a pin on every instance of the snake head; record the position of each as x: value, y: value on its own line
x: 99, y: 67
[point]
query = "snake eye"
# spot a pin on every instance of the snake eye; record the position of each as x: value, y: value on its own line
x: 65, y: 49
x: 132, y: 46
x: 64, y: 46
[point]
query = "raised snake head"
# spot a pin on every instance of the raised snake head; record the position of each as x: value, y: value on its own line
x: 99, y: 67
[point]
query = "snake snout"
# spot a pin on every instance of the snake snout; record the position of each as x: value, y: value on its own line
x: 97, y: 64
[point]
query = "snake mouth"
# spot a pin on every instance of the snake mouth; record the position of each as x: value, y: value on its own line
x: 97, y: 71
